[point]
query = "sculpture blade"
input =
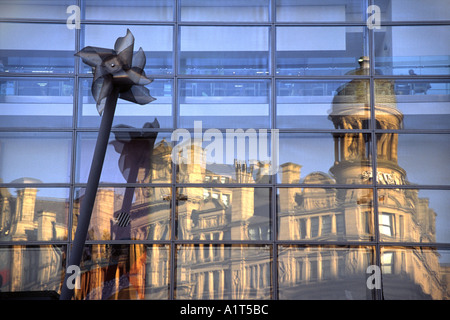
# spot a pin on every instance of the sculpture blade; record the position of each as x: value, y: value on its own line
x: 124, y: 48
x: 94, y: 56
x: 101, y: 89
x: 139, y: 59
x: 138, y: 77
x: 137, y: 94
x: 99, y: 72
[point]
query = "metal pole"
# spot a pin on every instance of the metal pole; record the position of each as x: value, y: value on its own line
x: 91, y: 190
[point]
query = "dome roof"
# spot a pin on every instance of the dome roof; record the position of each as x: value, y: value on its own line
x: 27, y: 180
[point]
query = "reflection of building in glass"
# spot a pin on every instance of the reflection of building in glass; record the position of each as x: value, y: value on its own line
x: 312, y: 214
x: 316, y: 214
x: 217, y: 211
x: 28, y: 217
x: 31, y: 269
x: 147, y: 209
x: 124, y: 272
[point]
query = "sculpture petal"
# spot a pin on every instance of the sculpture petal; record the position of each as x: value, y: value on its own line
x: 101, y: 88
x: 101, y: 106
x: 138, y: 77
x: 139, y: 59
x: 137, y: 94
x: 94, y: 56
x: 124, y: 48
x: 99, y: 72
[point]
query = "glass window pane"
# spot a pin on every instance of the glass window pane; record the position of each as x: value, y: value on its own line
x: 303, y: 51
x: 315, y: 273
x: 325, y: 214
x: 230, y: 11
x: 30, y: 270
x: 155, y: 40
x: 124, y: 272
x: 33, y: 214
x: 224, y: 103
x: 321, y: 158
x: 223, y: 272
x: 35, y: 157
x: 424, y: 158
x: 415, y: 273
x: 139, y: 10
x: 224, y: 50
x: 420, y: 104
x: 412, y: 215
x: 213, y: 213
x: 131, y: 157
x: 36, y: 102
x: 128, y: 113
x: 417, y: 158
x: 386, y: 227
x: 37, y: 9
x: 414, y: 10
x: 248, y: 156
x: 412, y: 50
x: 48, y: 48
x: 323, y: 104
x: 325, y: 11
x: 127, y: 213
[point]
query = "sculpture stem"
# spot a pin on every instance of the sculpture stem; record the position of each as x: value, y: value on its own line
x: 87, y: 204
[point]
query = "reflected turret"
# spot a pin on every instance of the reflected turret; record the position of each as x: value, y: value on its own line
x: 353, y: 151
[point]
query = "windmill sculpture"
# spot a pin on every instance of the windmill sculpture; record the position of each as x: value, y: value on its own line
x: 118, y: 73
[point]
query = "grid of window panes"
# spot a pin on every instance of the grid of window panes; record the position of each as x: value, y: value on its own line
x: 292, y: 145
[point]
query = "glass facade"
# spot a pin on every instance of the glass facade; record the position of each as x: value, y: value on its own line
x: 295, y: 149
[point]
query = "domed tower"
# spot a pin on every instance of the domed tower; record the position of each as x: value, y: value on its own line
x: 351, y: 110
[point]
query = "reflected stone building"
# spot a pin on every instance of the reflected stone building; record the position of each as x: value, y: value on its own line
x: 333, y: 214
x: 27, y: 217
x: 313, y: 214
x: 316, y: 217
